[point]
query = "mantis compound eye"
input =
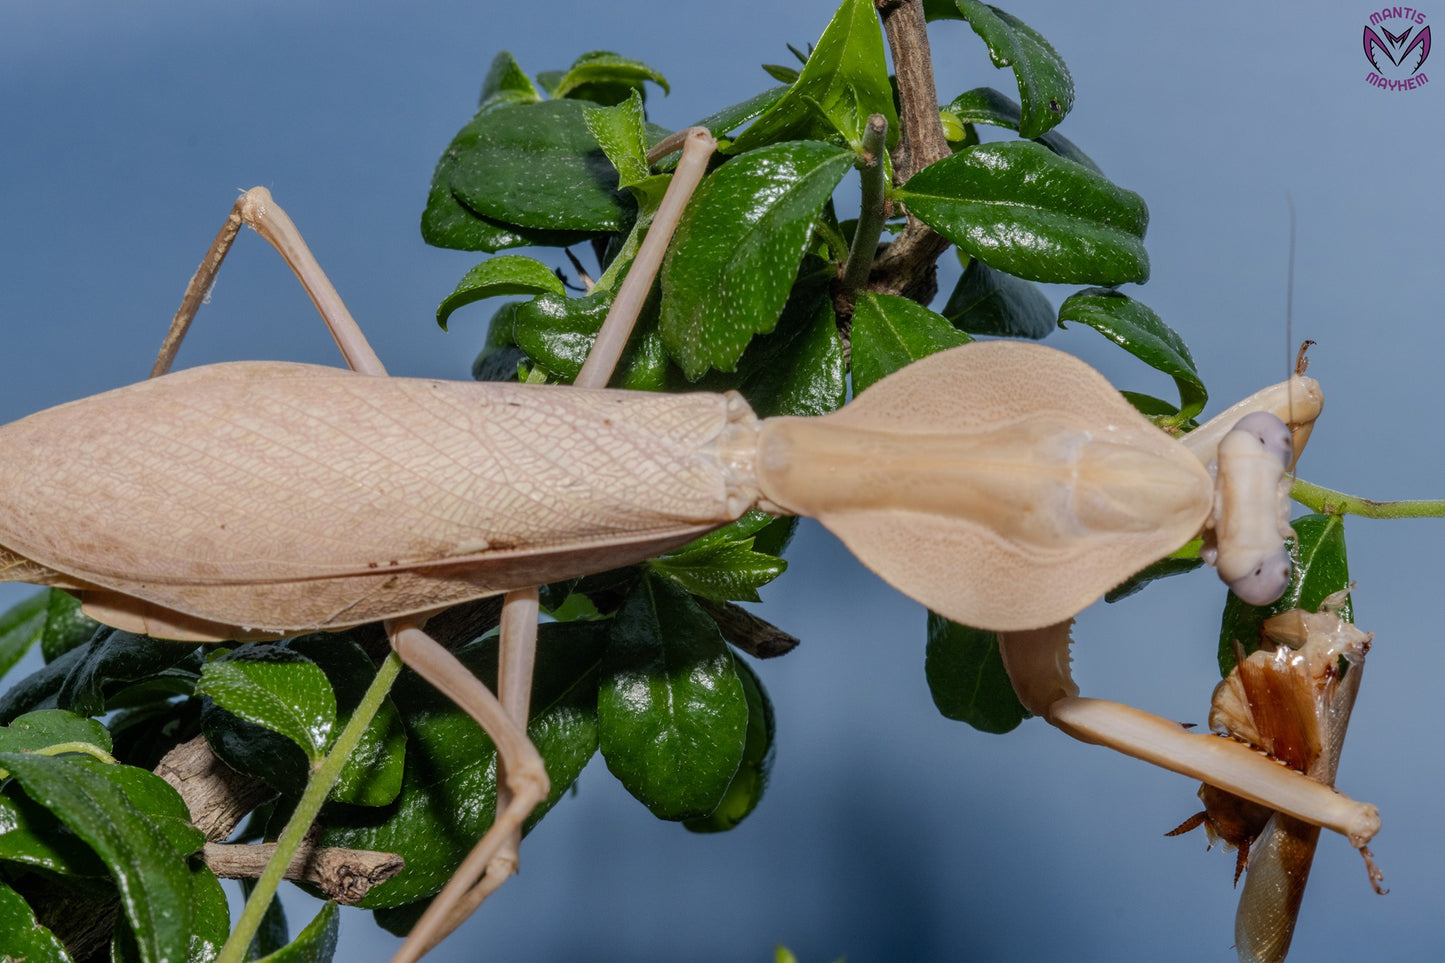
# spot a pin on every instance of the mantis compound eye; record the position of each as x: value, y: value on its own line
x: 1266, y: 582
x: 1271, y: 432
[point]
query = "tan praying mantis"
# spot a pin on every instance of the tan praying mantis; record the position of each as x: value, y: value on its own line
x: 1034, y: 476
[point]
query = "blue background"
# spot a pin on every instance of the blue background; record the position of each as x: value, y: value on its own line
x: 888, y: 832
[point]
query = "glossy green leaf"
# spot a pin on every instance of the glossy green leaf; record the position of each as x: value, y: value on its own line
x: 1321, y: 568
x: 727, y: 275
x: 992, y: 302
x: 1045, y: 86
x: 46, y: 728
x: 50, y: 617
x: 139, y: 826
x: 507, y: 83
x: 844, y: 80
x: 89, y: 679
x: 1164, y: 568
x: 1137, y: 329
x: 733, y: 116
x: 500, y: 356
x: 31, y: 835
x: 557, y: 332
x: 984, y: 105
x: 447, y: 222
x: 621, y: 132
x: 967, y: 679
x: 672, y: 714
x: 890, y: 332
x: 799, y: 368
x: 316, y: 943
x: 1021, y: 208
x: 21, y: 935
x: 727, y: 571
x: 606, y: 78
x: 746, y: 790
x: 278, y: 689
x: 785, y: 75
x: 538, y: 166
x: 509, y: 274
x: 373, y: 774
x: 448, y: 796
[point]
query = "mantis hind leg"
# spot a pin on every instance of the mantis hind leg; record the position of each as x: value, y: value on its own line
x: 525, y: 779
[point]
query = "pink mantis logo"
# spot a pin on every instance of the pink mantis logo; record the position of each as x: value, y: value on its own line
x: 1397, y: 59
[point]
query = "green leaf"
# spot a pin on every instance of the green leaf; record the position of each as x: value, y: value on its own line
x: 984, y: 105
x: 727, y: 275
x: 499, y: 277
x: 1138, y: 330
x: 731, y: 571
x: 734, y: 116
x: 448, y: 795
x: 31, y: 835
x: 746, y: 790
x: 991, y: 302
x: 50, y: 617
x: 785, y: 75
x: 447, y: 222
x: 967, y: 679
x: 844, y: 80
x: 507, y: 83
x: 278, y: 689
x: 500, y: 356
x: 373, y: 774
x: 799, y: 368
x: 21, y: 935
x: 557, y: 332
x: 890, y: 332
x: 139, y: 826
x: 672, y: 714
x: 1164, y: 568
x: 538, y: 166
x: 606, y: 78
x: 45, y: 728
x: 621, y: 132
x: 100, y: 675
x: 314, y: 944
x: 1045, y: 87
x: 1021, y: 208
x: 1321, y: 568
x: 274, y: 932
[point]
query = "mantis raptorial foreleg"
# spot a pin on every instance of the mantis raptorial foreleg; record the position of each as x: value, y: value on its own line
x: 1038, y: 660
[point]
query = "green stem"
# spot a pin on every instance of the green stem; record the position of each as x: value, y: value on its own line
x: 318, y: 787
x: 871, y: 216
x: 1331, y: 502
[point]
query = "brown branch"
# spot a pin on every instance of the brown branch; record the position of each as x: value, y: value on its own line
x: 344, y: 875
x: 760, y: 639
x: 217, y: 796
x: 908, y: 265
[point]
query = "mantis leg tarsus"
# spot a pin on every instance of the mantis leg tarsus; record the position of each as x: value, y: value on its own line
x: 526, y: 779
